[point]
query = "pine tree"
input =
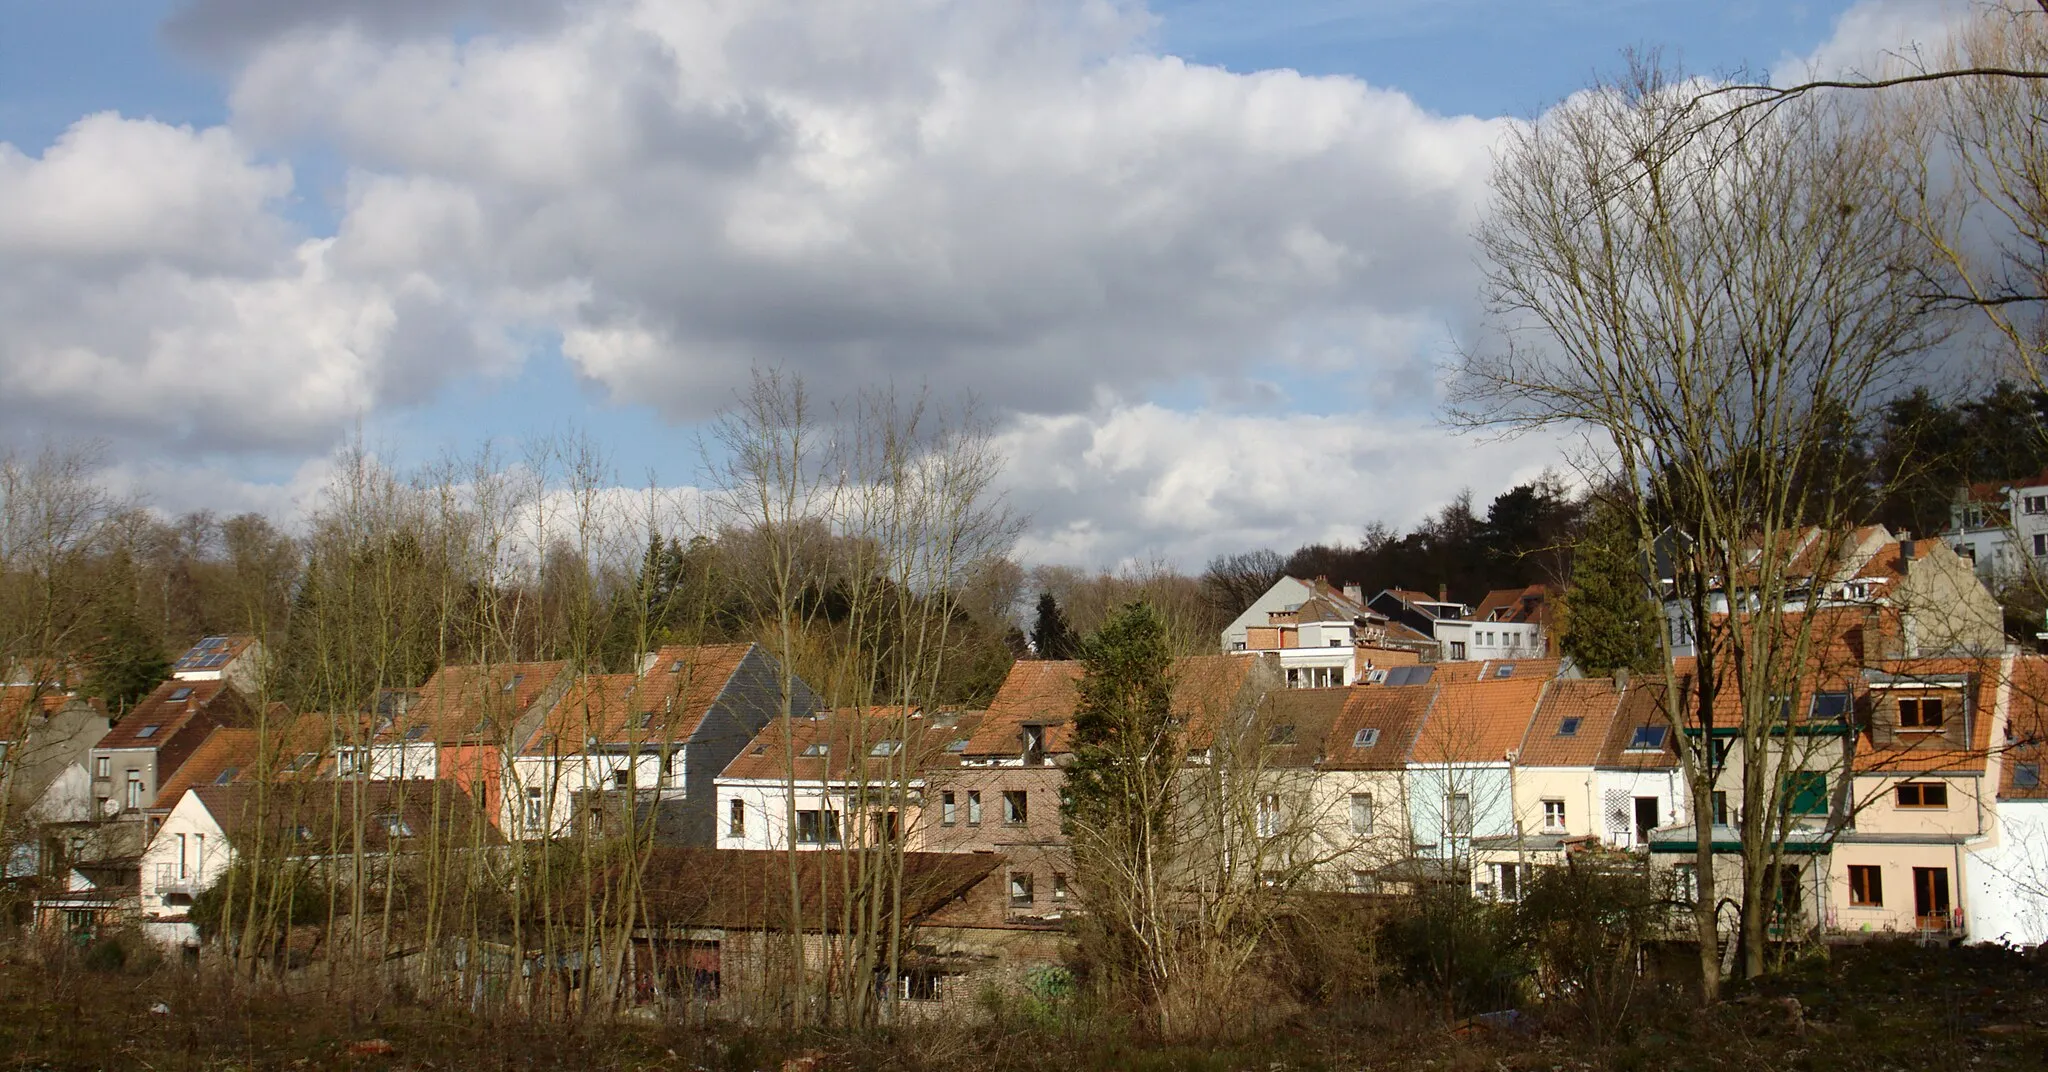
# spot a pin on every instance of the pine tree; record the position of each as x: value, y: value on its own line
x: 126, y: 659
x: 1609, y: 621
x: 1051, y: 637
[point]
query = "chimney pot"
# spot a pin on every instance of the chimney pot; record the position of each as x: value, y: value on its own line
x: 1905, y: 551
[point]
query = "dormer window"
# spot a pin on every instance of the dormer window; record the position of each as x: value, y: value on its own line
x: 1034, y: 744
x: 1920, y: 712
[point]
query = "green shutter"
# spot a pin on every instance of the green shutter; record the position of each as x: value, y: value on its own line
x: 1806, y: 793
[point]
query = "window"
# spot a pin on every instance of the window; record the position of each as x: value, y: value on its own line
x: 1866, y: 886
x: 676, y: 667
x: 1269, y: 815
x: 974, y: 807
x: 1016, y: 807
x: 1458, y: 814
x: 416, y: 733
x: 1280, y: 735
x: 395, y: 825
x: 645, y: 720
x: 1361, y: 882
x: 817, y: 827
x: 2026, y: 775
x: 923, y: 985
x: 134, y: 798
x: 1508, y: 879
x: 1647, y: 739
x: 1806, y: 793
x: 103, y: 767
x: 1034, y: 745
x: 736, y: 818
x: 2040, y: 544
x: 1293, y: 678
x: 1507, y: 670
x: 146, y: 732
x: 1569, y: 727
x: 948, y: 808
x: 1020, y: 889
x: 1059, y: 887
x: 622, y: 778
x: 513, y: 683
x: 226, y: 776
x: 1365, y: 738
x: 1553, y: 815
x: 957, y: 747
x: 1923, y: 795
x: 183, y: 873
x: 1920, y: 712
x: 533, y: 808
x: 886, y: 748
x: 1336, y: 643
x: 1685, y: 883
x: 1830, y: 705
x: 1361, y: 813
x: 1457, y: 650
x: 1721, y: 814
x: 817, y: 748
x: 2035, y: 504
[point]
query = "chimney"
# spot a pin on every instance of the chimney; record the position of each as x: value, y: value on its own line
x: 1322, y: 582
x: 1905, y: 551
x: 1443, y: 593
x: 1355, y: 593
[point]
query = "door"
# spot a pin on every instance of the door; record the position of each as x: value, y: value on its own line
x: 1646, y: 819
x: 1930, y: 898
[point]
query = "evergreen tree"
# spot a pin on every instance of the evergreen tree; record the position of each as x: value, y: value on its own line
x: 1120, y: 788
x: 126, y: 659
x: 1051, y: 637
x: 1609, y: 621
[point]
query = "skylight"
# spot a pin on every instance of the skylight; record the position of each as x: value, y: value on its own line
x: 1365, y: 738
x: 227, y: 776
x: 886, y: 748
x: 415, y: 733
x: 513, y: 683
x: 646, y: 719
x: 1647, y: 739
x: 957, y: 746
x: 1280, y: 735
x: 676, y: 667
x: 817, y: 748
x: 180, y: 693
x: 1833, y: 705
x: 146, y: 731
x: 1506, y: 670
x: 1568, y: 727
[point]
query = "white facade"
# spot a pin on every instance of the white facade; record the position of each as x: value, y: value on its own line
x: 1471, y: 641
x: 188, y: 854
x: 389, y: 762
x: 754, y: 813
x: 1619, y: 795
x: 540, y: 796
x: 1288, y: 594
x: 2006, y: 548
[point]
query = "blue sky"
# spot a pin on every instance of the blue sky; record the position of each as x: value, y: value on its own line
x: 441, y: 228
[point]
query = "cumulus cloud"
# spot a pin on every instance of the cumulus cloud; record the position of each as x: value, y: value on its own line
x: 1015, y: 198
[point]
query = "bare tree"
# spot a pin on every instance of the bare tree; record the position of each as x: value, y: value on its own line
x: 1708, y: 302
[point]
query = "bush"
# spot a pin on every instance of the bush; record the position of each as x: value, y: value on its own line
x: 1457, y: 949
x: 106, y: 955
x: 1584, y: 925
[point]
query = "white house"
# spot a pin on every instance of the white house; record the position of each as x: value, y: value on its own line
x: 847, y: 776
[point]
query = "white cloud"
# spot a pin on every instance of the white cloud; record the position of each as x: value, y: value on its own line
x: 1145, y: 481
x: 1010, y: 197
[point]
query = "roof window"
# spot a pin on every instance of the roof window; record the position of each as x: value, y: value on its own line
x: 1365, y: 738
x: 227, y: 776
x: 513, y: 683
x: 676, y: 667
x: 646, y: 720
x: 1505, y: 670
x: 1647, y: 739
x: 958, y: 746
x: 1280, y: 735
x: 1830, y: 705
x: 886, y: 748
x: 416, y: 733
x: 817, y: 748
x: 2026, y: 775
x: 146, y: 731
x: 1569, y: 727
x: 180, y: 693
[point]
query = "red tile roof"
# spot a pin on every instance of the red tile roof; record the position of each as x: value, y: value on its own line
x: 1588, y: 707
x: 473, y: 701
x: 665, y: 704
x: 1393, y: 714
x: 221, y: 759
x: 850, y: 748
x: 169, y: 708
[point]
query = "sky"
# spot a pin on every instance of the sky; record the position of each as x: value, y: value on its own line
x: 1203, y: 263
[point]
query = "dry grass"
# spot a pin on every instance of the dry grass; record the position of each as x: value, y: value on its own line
x: 1880, y: 1007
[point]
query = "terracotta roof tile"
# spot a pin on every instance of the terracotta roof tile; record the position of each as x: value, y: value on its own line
x: 220, y: 760
x: 876, y: 748
x: 1572, y: 726
x: 469, y: 701
x: 1377, y: 728
x: 1478, y: 721
x: 169, y: 708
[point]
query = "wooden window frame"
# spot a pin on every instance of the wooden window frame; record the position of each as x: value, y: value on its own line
x: 1866, y: 886
x: 1920, y: 792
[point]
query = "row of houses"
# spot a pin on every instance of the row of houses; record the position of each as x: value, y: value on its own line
x: 1917, y: 809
